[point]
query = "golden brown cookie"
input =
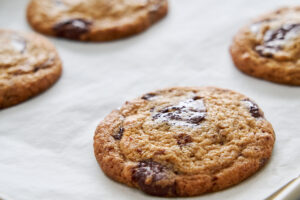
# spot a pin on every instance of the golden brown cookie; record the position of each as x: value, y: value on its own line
x: 269, y: 47
x: 184, y: 141
x: 29, y: 64
x: 94, y: 20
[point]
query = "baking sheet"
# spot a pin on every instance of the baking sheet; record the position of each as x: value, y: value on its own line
x: 46, y: 143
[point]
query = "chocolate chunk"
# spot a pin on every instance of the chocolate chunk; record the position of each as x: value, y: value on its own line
x: 253, y: 108
x: 197, y: 119
x: 72, y: 28
x: 263, y: 161
x: 148, y: 173
x: 214, y: 179
x: 266, y: 51
x: 191, y: 111
x: 183, y: 139
x: 119, y: 134
x: 148, y: 96
x: 196, y: 98
x: 281, y: 33
x: 48, y: 63
x: 223, y: 139
x: 139, y: 150
x: 27, y: 69
x: 275, y: 39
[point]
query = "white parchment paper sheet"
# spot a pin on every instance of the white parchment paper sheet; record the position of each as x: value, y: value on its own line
x: 46, y: 150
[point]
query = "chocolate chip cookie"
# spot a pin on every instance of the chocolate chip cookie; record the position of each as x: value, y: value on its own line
x: 269, y: 48
x: 29, y: 64
x: 94, y: 20
x: 184, y: 141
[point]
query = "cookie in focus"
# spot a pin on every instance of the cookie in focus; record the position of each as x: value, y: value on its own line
x: 184, y: 141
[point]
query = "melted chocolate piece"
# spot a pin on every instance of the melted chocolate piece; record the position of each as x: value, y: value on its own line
x: 274, y: 39
x: 197, y: 98
x: 279, y: 34
x: 183, y: 139
x: 263, y: 161
x: 148, y: 173
x: 266, y: 51
x: 191, y: 111
x: 44, y: 65
x: 223, y: 139
x: 72, y: 28
x: 148, y: 96
x: 119, y: 134
x: 27, y: 69
x: 253, y: 108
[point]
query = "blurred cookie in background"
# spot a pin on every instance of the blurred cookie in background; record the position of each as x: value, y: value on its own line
x: 94, y: 20
x: 269, y: 47
x: 29, y: 64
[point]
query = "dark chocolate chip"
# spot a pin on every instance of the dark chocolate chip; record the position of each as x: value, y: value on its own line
x: 183, y: 139
x: 72, y: 28
x: 191, y: 111
x: 196, y: 98
x: 28, y: 69
x: 223, y: 139
x: 263, y: 161
x: 264, y: 51
x: 197, y: 119
x: 214, y: 179
x: 119, y: 134
x: 139, y: 150
x: 148, y: 96
x: 148, y: 173
x: 44, y: 65
x: 272, y: 38
x: 253, y: 108
x: 280, y: 34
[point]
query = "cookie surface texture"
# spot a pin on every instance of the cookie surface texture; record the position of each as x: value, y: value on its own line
x: 269, y: 47
x: 94, y: 20
x: 184, y: 141
x: 29, y: 64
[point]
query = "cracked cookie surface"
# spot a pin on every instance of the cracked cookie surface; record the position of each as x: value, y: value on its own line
x: 29, y: 64
x: 94, y: 20
x: 268, y: 48
x: 184, y: 141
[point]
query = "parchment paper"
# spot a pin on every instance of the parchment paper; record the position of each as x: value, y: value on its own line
x: 46, y: 150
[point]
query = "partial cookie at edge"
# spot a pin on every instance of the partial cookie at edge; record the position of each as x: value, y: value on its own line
x: 268, y: 47
x: 29, y: 66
